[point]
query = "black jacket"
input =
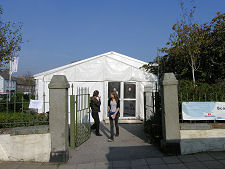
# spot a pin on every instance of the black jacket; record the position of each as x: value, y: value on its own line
x: 95, y: 105
x: 117, y: 103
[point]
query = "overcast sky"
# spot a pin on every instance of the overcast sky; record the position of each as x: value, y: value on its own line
x: 57, y: 32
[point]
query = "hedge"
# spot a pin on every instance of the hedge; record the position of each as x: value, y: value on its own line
x: 201, y: 91
x: 10, y: 120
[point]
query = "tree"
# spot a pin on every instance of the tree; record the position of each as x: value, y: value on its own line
x: 213, y: 53
x: 195, y: 52
x: 10, y: 40
x: 186, y: 40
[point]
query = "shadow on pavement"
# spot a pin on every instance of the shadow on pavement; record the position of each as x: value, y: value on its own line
x: 135, y: 129
x: 132, y: 153
x: 104, y: 130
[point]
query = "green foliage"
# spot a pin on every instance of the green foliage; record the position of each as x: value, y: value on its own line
x: 195, y: 51
x: 10, y: 120
x: 208, y: 53
x: 19, y: 102
x: 15, y: 113
x: 201, y: 92
x: 153, y: 126
x: 10, y: 40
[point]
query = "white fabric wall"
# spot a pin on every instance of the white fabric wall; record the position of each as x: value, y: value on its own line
x: 95, y: 73
x: 92, y: 87
x: 101, y: 69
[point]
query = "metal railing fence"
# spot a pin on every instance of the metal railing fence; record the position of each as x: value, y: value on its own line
x: 79, y: 116
x: 16, y: 113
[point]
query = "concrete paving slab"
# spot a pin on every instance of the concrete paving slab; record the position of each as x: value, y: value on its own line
x: 177, y: 166
x: 130, y: 145
x: 48, y: 166
x: 187, y: 158
x: 171, y: 159
x: 218, y: 155
x: 140, y: 167
x: 10, y: 165
x: 203, y: 157
x: 138, y: 162
x: 103, y: 165
x: 86, y: 166
x: 195, y: 165
x: 154, y: 161
x: 27, y: 165
x: 160, y: 166
x: 122, y: 164
x: 66, y: 166
x: 213, y: 165
x: 222, y: 161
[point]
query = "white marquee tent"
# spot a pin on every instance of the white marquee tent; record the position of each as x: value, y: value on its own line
x: 106, y: 72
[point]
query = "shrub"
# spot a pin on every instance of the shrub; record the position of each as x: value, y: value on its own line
x: 153, y: 126
x: 200, y: 93
x: 10, y: 120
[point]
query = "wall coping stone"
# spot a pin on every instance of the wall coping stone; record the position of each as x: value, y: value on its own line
x: 41, y: 129
x: 59, y: 82
x: 168, y: 79
x: 195, y: 126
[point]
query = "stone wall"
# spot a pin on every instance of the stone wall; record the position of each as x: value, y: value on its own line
x: 32, y: 147
x: 199, y: 140
x: 26, y: 144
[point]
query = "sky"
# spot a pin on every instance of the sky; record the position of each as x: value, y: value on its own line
x: 58, y: 32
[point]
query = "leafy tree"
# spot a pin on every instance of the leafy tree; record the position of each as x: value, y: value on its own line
x: 213, y: 52
x: 195, y: 52
x: 186, y: 41
x: 10, y: 40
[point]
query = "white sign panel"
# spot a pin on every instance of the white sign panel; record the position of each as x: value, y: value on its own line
x: 35, y: 104
x: 203, y: 110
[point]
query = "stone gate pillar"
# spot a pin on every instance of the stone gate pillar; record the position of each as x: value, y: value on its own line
x: 58, y: 118
x: 170, y: 114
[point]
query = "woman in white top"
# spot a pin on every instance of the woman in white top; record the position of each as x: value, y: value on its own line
x: 114, y: 114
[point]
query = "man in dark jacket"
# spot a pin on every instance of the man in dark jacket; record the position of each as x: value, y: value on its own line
x: 95, y: 107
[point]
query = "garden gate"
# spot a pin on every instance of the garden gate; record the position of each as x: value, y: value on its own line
x: 80, y: 130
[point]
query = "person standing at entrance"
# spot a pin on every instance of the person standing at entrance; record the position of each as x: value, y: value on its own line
x: 95, y: 107
x: 114, y: 114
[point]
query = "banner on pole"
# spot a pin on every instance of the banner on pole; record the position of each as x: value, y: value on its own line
x: 14, y: 65
x: 203, y: 110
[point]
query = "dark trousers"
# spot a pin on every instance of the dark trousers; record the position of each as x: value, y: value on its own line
x: 95, y: 116
x: 112, y: 126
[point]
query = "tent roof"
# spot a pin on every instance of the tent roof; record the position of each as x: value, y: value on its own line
x: 108, y: 54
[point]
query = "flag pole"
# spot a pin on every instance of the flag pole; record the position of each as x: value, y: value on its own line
x: 10, y: 79
x: 13, y: 68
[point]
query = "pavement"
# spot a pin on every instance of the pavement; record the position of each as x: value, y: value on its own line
x: 129, y: 151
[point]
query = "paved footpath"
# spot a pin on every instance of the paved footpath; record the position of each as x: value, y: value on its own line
x: 129, y: 151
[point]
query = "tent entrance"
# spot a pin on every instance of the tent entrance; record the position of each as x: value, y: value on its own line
x: 127, y: 95
x: 129, y: 100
